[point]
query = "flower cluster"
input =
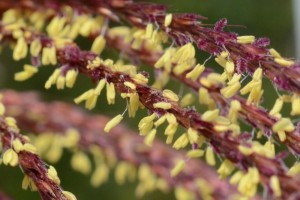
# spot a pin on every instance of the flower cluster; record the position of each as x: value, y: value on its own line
x: 47, y: 32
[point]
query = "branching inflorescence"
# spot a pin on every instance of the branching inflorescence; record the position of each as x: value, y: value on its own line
x: 47, y: 30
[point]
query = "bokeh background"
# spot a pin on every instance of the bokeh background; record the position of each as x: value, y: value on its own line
x: 270, y: 18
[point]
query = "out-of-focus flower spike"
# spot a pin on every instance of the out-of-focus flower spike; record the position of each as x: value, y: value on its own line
x: 81, y: 163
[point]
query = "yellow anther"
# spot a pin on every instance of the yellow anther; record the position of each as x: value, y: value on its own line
x: 277, y: 107
x: 112, y: 123
x: 221, y: 61
x: 170, y: 95
x: 10, y: 157
x: 231, y: 90
x: 110, y: 93
x: 60, y: 82
x: 160, y: 121
x: 274, y: 53
x: 275, y: 185
x: 184, y: 53
x: 52, y: 174
x: 133, y: 104
x: 71, y: 77
x: 236, y: 177
x: 81, y: 163
x: 20, y: 50
x: 295, y: 105
x: 196, y: 72
x: 168, y: 20
x: 224, y: 54
x: 294, y: 170
x: 187, y: 100
x: 192, y: 135
x: 35, y: 47
x: 84, y: 96
x: 146, y: 124
x: 210, y: 156
x: 235, y: 107
x: 247, y: 39
x: 181, y: 142
x: 203, y: 96
x: 150, y: 137
x: 210, y: 115
x: 100, y: 87
x: 283, y: 124
x: 195, y: 153
x: 245, y: 150
x: 17, y: 145
x: 149, y: 31
x: 178, y: 168
x: 162, y: 105
x: 30, y: 148
x: 130, y: 85
x: 258, y: 73
x: 98, y: 45
x: 225, y: 169
x: 49, y: 56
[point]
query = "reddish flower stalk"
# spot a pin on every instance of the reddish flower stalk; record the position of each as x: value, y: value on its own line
x: 125, y: 144
x: 224, y: 143
x: 255, y: 116
x: 186, y: 28
x: 31, y: 164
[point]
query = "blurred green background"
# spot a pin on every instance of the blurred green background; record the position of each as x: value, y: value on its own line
x: 270, y: 18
